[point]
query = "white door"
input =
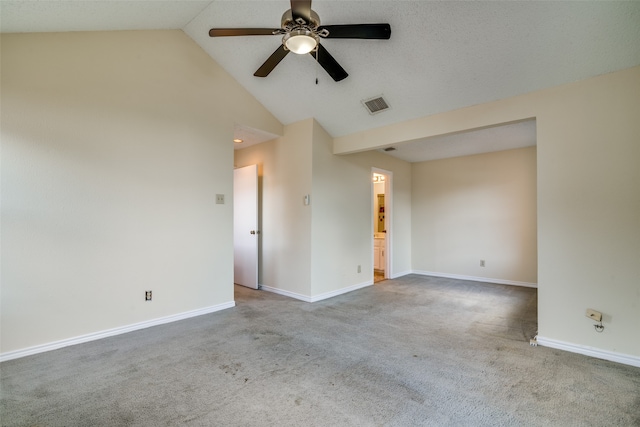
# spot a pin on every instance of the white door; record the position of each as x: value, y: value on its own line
x: 245, y: 226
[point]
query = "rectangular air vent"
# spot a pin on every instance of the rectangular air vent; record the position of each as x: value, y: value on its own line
x: 375, y: 105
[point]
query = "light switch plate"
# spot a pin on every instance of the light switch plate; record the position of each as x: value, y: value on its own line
x: 219, y: 199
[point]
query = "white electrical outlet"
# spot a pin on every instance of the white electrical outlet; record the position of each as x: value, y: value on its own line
x: 594, y: 315
x: 481, y: 263
x: 220, y: 199
x: 359, y: 269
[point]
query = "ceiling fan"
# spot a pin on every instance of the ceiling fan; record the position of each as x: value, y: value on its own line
x: 302, y: 33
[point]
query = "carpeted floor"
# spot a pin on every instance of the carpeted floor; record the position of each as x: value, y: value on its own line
x: 415, y: 351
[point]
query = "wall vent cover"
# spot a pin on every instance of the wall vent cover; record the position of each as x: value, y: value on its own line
x: 375, y: 105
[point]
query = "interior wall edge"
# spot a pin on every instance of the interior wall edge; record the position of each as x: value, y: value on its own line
x: 341, y: 291
x: 394, y: 275
x: 285, y: 293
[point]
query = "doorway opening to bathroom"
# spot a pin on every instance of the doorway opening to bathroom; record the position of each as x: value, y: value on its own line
x: 382, y: 235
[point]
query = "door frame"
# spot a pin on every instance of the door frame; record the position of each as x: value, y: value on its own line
x: 388, y: 218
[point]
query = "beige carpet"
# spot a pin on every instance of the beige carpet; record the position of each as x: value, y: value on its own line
x: 415, y: 351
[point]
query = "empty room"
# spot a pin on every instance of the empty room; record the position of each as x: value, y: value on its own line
x: 496, y: 282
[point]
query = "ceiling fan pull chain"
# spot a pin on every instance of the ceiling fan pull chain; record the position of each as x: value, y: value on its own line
x: 317, y: 65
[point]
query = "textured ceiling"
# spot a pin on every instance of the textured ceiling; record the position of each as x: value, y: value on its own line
x: 96, y: 15
x: 441, y: 55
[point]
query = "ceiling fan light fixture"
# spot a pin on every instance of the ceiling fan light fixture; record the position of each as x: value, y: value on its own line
x: 301, y: 33
x: 300, y: 41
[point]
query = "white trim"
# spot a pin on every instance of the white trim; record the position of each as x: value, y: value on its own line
x: 402, y: 273
x: 476, y: 279
x: 341, y: 291
x: 590, y: 351
x: 112, y: 332
x: 285, y: 293
x: 317, y: 298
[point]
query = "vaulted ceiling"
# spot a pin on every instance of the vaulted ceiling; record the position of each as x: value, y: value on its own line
x: 441, y: 55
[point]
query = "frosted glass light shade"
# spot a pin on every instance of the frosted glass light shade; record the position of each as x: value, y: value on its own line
x: 300, y: 43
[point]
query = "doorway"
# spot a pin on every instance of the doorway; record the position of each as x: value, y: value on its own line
x: 381, y: 219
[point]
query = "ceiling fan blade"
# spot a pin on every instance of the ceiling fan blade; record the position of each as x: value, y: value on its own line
x: 301, y: 9
x: 330, y: 65
x: 271, y: 62
x: 357, y: 31
x: 226, y: 32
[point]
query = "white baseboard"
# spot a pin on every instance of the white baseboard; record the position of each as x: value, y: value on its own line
x: 476, y: 279
x: 111, y: 332
x: 341, y: 291
x: 590, y: 351
x: 402, y: 273
x: 316, y: 298
x: 285, y: 293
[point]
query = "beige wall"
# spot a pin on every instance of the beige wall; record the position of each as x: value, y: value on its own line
x: 588, y: 200
x: 324, y: 242
x: 341, y: 222
x: 338, y: 221
x: 589, y: 211
x: 343, y: 216
x: 285, y: 222
x: 476, y: 207
x: 114, y: 146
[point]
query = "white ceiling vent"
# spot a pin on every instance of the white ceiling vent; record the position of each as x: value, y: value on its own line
x: 375, y: 105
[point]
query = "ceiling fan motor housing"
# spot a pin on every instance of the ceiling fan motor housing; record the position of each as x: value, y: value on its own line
x: 288, y: 22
